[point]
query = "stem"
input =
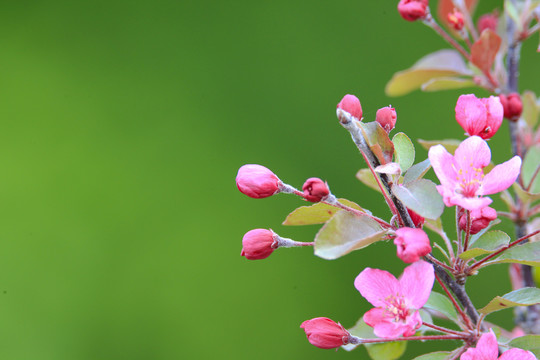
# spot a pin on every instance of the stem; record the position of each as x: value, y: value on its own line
x: 468, y: 232
x: 331, y: 200
x: 459, y: 234
x: 429, y: 21
x: 491, y: 256
x: 357, y: 340
x: 443, y: 329
x: 465, y: 318
x: 440, y: 263
x: 462, y: 8
x: 533, y: 178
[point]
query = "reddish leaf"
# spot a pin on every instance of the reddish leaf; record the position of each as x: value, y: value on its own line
x: 485, y: 49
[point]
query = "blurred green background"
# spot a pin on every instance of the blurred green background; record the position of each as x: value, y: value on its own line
x: 123, y: 126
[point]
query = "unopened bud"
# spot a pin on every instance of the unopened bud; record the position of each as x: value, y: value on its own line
x: 417, y: 220
x: 488, y: 21
x: 411, y: 244
x: 455, y: 19
x: 325, y: 333
x: 256, y: 181
x: 412, y: 10
x: 315, y: 189
x: 512, y: 106
x: 480, y: 219
x: 386, y: 117
x: 258, y: 244
x: 351, y: 105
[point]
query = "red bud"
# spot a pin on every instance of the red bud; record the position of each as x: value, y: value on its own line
x: 325, y: 333
x: 386, y: 117
x: 315, y: 189
x: 351, y: 104
x: 512, y: 106
x: 258, y: 244
x: 455, y: 19
x: 256, y: 181
x: 412, y: 10
x: 480, y: 219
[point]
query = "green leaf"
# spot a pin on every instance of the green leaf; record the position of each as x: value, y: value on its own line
x: 521, y: 297
x: 511, y: 10
x: 318, y: 213
x: 346, y: 232
x: 367, y: 178
x: 527, y: 342
x: 487, y: 244
x: 378, y: 141
x: 439, y: 355
x: 530, y: 170
x: 447, y: 83
x: 484, y: 50
x: 442, y: 304
x: 421, y: 196
x: 417, y: 171
x: 442, y: 63
x: 384, y: 351
x: 523, y: 195
x: 404, y: 151
x: 477, y: 236
x: 449, y: 144
x: 530, y: 108
x: 526, y: 254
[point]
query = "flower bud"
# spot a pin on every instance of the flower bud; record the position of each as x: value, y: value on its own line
x: 480, y: 219
x: 481, y: 117
x: 512, y: 106
x: 258, y: 244
x: 351, y: 105
x: 488, y: 21
x: 412, y: 10
x: 256, y: 181
x: 386, y: 117
x: 417, y: 220
x: 411, y: 244
x: 315, y: 189
x: 325, y: 333
x: 455, y: 19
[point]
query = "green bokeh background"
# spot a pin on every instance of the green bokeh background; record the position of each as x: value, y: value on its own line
x: 123, y: 126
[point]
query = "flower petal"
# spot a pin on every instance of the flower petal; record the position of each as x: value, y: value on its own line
x: 517, y: 354
x: 501, y: 177
x: 416, y: 283
x: 486, y: 348
x: 382, y: 325
x: 442, y: 163
x: 472, y: 153
x: 376, y: 286
x: 471, y: 114
x: 473, y: 203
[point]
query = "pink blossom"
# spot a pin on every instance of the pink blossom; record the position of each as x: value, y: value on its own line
x: 482, y: 117
x: 462, y: 178
x: 487, y: 349
x: 456, y: 20
x: 411, y: 244
x: 412, y: 10
x: 257, y: 182
x: 386, y: 117
x: 488, y: 21
x: 315, y: 189
x: 396, y: 301
x: 351, y: 105
x: 258, y: 244
x: 325, y: 333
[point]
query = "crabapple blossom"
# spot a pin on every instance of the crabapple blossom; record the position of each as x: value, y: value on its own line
x: 481, y: 117
x: 480, y: 219
x: 396, y: 301
x: 386, y: 117
x: 488, y: 21
x: 411, y: 244
x: 456, y: 20
x: 351, y: 105
x: 325, y: 333
x: 315, y: 189
x: 257, y: 182
x: 462, y: 177
x: 488, y: 349
x: 258, y: 244
x: 512, y: 106
x: 412, y: 10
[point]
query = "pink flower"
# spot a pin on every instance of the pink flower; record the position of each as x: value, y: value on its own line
x: 325, y: 333
x: 481, y: 117
x: 480, y: 219
x: 396, y: 301
x: 462, y: 178
x: 456, y: 20
x: 257, y: 182
x: 315, y: 189
x: 488, y: 21
x: 351, y: 105
x: 386, y: 117
x: 411, y: 244
x: 258, y: 244
x: 412, y: 10
x: 487, y: 349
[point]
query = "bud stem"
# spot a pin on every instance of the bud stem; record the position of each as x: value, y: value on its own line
x: 443, y: 329
x: 358, y: 341
x: 429, y: 21
x: 289, y: 243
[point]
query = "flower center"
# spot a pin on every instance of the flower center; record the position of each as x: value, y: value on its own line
x: 469, y: 180
x: 396, y: 308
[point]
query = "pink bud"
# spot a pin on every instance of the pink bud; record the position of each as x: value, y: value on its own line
x: 488, y: 21
x: 258, y: 244
x: 481, y: 117
x: 411, y: 244
x: 386, y: 117
x: 256, y: 181
x: 315, y: 189
x: 325, y: 333
x: 512, y: 106
x: 455, y: 19
x: 417, y: 220
x: 351, y: 104
x: 480, y: 219
x: 412, y: 10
